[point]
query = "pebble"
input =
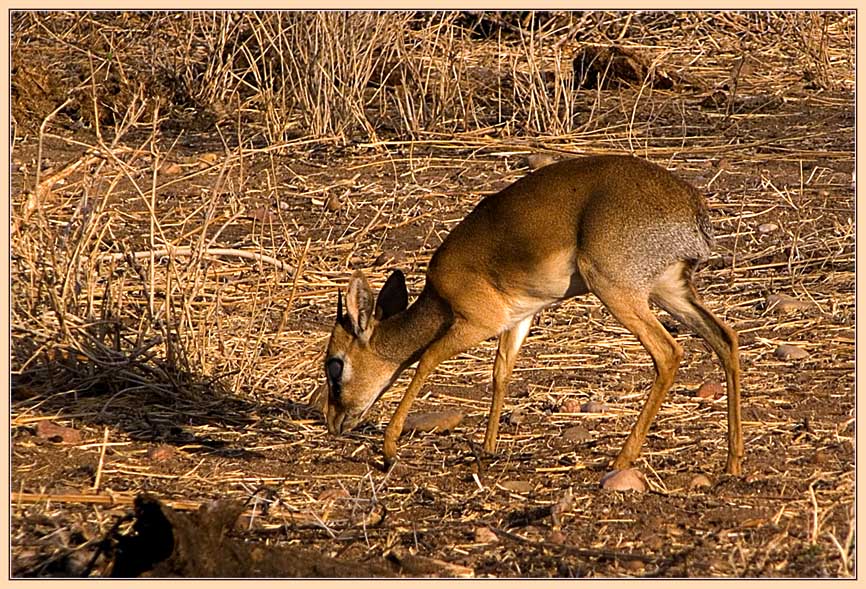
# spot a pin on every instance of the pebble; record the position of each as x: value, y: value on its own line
x: 517, y: 417
x: 332, y: 494
x: 767, y: 227
x: 263, y: 214
x: 435, y: 421
x: 820, y: 457
x: 629, y: 479
x: 516, y: 486
x: 484, y: 535
x: 784, y: 304
x: 539, y: 160
x: 383, y: 258
x: 206, y: 160
x: 593, y: 407
x: 375, y: 517
x: 789, y: 352
x: 710, y: 390
x: 161, y: 453
x: 564, y: 505
x: 576, y: 433
x: 57, y: 433
x: 333, y: 203
x: 700, y: 481
x: 172, y: 169
x: 570, y: 406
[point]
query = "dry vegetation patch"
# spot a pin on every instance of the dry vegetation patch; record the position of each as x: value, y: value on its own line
x: 189, y: 191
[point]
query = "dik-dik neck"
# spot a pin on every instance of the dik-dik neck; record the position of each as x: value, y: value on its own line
x: 404, y: 336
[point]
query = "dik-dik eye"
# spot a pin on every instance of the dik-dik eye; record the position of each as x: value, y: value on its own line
x: 334, y: 369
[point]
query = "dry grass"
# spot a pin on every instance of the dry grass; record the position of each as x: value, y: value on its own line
x: 175, y: 260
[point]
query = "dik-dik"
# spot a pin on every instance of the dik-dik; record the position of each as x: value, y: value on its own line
x: 620, y: 227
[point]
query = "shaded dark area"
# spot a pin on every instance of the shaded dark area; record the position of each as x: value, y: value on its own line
x: 167, y: 543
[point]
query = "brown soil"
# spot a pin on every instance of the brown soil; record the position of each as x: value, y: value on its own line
x: 223, y: 406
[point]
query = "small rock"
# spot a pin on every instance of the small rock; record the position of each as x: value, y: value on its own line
x: 564, y: 505
x: 392, y: 259
x: 699, y: 481
x: 654, y: 542
x: 207, y: 159
x: 161, y: 453
x: 540, y: 160
x: 375, y: 516
x: 517, y: 416
x: 57, y: 433
x: 333, y: 203
x: 593, y: 407
x: 629, y: 479
x: 556, y: 537
x: 484, y: 535
x: 416, y: 565
x: 820, y: 457
x: 435, y: 421
x: 172, y: 169
x: 634, y: 566
x: 789, y: 352
x: 570, y: 406
x: 516, y: 486
x: 263, y: 214
x: 576, y: 433
x: 767, y: 227
x: 332, y: 494
x: 783, y: 304
x: 383, y: 258
x: 710, y: 390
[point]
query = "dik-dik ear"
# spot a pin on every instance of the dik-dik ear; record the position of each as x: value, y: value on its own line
x: 359, y: 304
x: 393, y: 298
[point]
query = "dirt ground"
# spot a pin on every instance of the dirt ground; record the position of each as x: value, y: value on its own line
x: 197, y: 381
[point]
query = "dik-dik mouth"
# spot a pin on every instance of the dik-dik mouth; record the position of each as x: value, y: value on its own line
x: 340, y: 422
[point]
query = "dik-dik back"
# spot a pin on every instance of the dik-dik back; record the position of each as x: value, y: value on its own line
x: 619, y: 215
x: 620, y: 227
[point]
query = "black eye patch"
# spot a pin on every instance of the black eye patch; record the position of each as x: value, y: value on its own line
x: 334, y: 369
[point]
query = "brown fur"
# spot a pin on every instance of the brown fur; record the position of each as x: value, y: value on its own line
x: 617, y: 226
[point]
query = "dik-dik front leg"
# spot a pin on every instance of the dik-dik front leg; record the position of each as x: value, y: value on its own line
x: 460, y: 336
x: 509, y: 344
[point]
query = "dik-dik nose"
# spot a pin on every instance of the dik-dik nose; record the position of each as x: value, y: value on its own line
x: 335, y: 418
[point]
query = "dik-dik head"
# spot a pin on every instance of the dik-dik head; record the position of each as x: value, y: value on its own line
x: 357, y: 375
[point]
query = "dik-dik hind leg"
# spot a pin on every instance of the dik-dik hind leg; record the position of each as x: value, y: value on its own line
x: 509, y: 344
x: 631, y: 308
x: 460, y: 336
x: 678, y: 297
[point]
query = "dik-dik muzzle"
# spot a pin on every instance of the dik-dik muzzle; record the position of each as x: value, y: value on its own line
x: 357, y: 375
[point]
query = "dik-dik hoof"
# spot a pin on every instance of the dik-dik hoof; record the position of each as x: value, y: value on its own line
x: 387, y: 463
x: 389, y: 453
